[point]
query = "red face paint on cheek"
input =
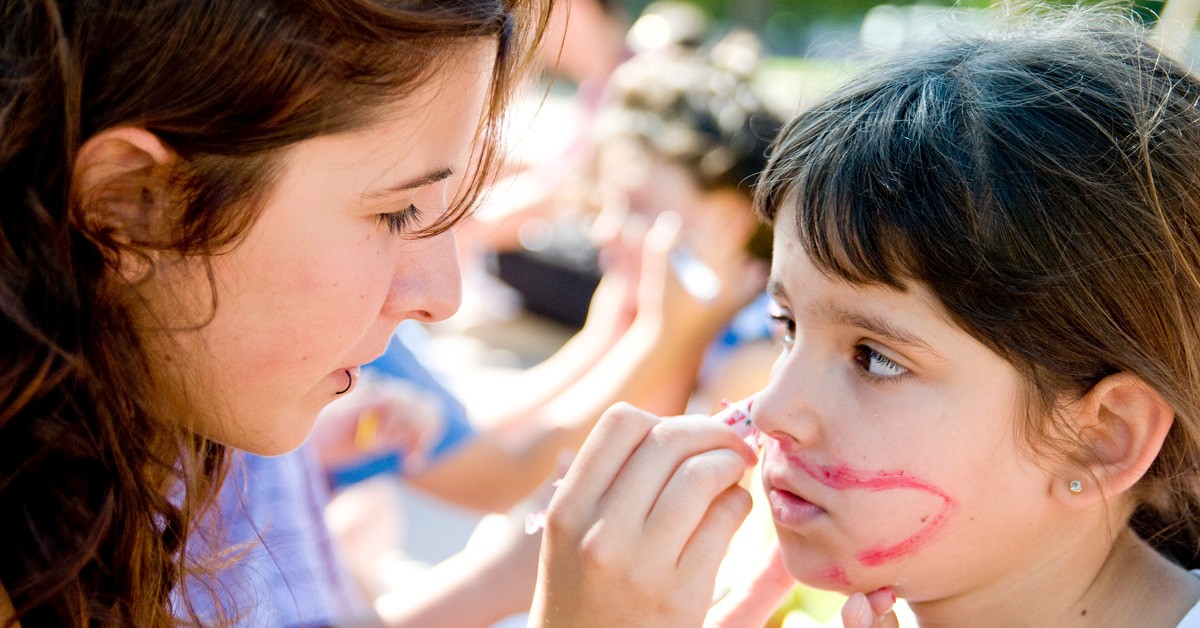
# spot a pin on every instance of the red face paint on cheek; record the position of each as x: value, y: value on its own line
x: 841, y: 477
x: 836, y: 575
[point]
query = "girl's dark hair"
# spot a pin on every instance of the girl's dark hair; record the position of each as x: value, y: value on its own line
x: 98, y: 492
x: 1045, y: 184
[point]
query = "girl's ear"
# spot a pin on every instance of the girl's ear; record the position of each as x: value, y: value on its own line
x: 121, y: 179
x: 1122, y: 423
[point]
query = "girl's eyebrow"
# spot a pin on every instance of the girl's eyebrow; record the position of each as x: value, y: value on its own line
x: 876, y: 325
x: 863, y: 320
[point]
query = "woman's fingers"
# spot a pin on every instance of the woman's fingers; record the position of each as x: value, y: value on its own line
x: 677, y: 469
x: 616, y: 435
x: 638, y: 527
x: 706, y: 548
x: 681, y: 465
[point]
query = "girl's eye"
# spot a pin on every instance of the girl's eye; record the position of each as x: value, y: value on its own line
x: 875, y: 364
x: 401, y: 221
x: 783, y: 327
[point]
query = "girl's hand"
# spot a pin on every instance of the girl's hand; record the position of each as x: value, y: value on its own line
x: 639, y: 525
x: 870, y: 610
x: 380, y: 416
x: 753, y: 603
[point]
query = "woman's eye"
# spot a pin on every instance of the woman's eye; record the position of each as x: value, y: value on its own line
x: 401, y: 221
x: 877, y: 365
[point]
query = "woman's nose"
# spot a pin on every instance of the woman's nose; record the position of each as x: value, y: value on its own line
x: 426, y: 283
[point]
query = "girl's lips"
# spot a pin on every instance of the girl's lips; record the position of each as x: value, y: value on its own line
x: 790, y: 510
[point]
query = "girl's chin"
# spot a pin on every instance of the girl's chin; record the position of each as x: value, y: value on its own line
x: 830, y: 573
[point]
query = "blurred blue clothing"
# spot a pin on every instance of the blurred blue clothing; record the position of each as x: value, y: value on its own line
x: 398, y: 362
x: 283, y: 570
x: 752, y: 323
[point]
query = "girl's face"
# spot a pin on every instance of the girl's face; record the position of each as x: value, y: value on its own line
x: 893, y: 457
x: 326, y: 273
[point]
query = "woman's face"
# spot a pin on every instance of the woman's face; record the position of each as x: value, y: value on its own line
x: 892, y: 456
x: 326, y: 272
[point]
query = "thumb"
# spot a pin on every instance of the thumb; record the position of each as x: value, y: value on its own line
x: 870, y: 610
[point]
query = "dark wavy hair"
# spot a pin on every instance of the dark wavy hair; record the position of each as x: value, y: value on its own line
x: 1045, y: 184
x: 98, y: 491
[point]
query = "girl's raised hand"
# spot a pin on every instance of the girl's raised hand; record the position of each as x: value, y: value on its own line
x: 639, y: 525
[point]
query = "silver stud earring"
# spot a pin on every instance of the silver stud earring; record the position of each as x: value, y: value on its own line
x: 1075, y: 486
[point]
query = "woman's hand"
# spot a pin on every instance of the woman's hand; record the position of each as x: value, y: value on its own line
x: 380, y: 416
x: 639, y: 525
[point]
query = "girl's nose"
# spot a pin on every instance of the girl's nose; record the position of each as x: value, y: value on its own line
x: 426, y: 284
x: 788, y: 407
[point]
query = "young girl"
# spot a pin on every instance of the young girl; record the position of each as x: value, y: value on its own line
x: 987, y: 261
x: 213, y: 212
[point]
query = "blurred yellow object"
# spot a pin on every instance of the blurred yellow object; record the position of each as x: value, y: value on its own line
x: 366, y: 430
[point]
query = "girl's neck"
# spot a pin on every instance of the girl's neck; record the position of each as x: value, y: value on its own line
x: 1129, y: 585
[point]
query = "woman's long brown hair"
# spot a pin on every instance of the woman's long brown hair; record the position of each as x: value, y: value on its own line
x: 1045, y: 184
x: 98, y: 491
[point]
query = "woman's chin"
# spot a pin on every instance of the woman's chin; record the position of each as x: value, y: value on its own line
x: 266, y: 437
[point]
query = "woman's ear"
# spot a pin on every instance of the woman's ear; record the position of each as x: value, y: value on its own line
x: 121, y: 178
x: 1122, y: 423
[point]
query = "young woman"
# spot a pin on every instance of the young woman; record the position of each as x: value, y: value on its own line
x: 987, y: 263
x: 213, y: 212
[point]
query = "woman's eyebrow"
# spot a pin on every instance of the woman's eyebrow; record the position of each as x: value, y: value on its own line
x: 414, y: 183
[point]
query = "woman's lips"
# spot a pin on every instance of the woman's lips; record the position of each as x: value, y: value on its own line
x: 790, y: 510
x: 347, y: 378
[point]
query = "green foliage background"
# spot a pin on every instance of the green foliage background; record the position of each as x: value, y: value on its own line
x: 753, y: 12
